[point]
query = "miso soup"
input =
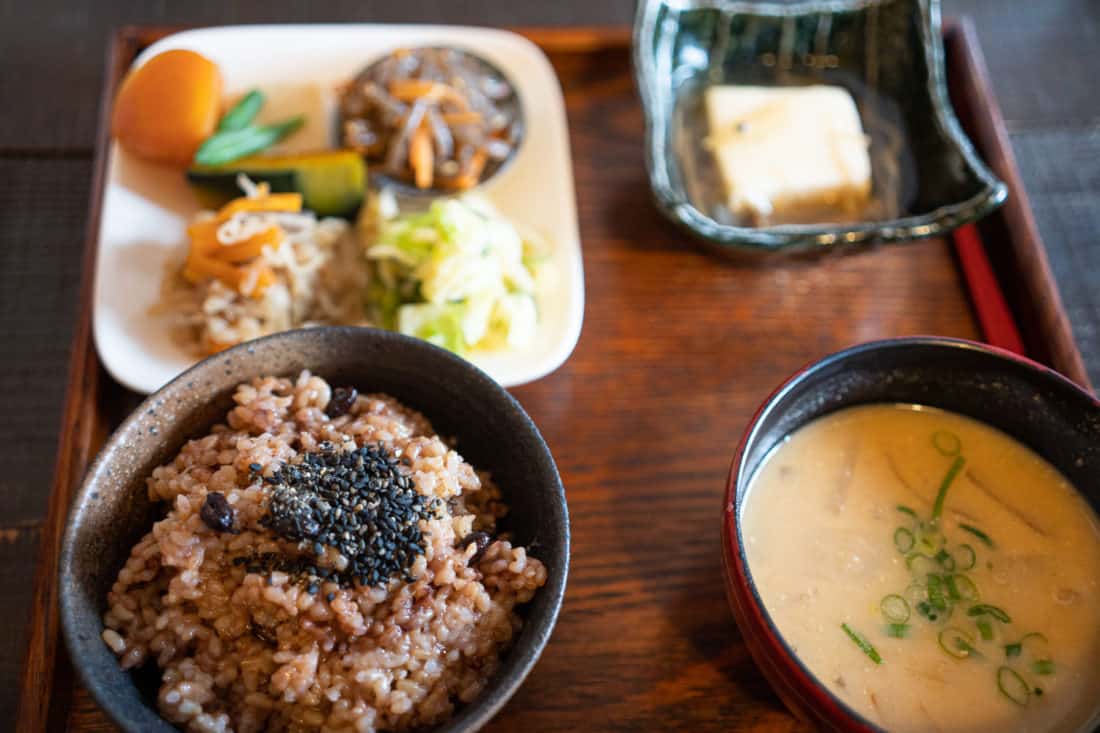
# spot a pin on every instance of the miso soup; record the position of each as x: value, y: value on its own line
x: 932, y: 572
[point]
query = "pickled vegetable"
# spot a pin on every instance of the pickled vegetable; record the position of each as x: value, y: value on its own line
x: 331, y: 183
x: 168, y: 106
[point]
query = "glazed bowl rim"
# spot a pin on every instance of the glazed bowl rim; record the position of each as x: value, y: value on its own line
x: 741, y: 590
x: 498, y: 690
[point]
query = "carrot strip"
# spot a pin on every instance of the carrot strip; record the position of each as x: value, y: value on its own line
x: 204, y: 236
x: 291, y: 202
x: 255, y: 280
x: 199, y: 267
x: 251, y: 281
x: 249, y: 248
x: 204, y: 241
x: 469, y: 177
x: 461, y: 118
x: 421, y: 157
x: 411, y: 90
x: 211, y: 346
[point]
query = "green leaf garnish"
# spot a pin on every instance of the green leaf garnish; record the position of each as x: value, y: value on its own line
x: 948, y: 479
x: 864, y: 645
x: 1043, y: 666
x: 1012, y: 686
x: 994, y: 611
x: 977, y: 533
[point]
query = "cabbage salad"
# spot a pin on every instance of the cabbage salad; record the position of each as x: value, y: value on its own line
x: 459, y: 275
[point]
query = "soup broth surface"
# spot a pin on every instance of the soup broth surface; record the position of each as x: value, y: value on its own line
x: 932, y: 572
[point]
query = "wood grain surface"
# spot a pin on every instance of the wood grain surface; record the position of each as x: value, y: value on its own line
x: 678, y: 349
x: 51, y: 73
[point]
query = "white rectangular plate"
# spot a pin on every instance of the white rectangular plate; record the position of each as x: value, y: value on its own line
x: 146, y: 207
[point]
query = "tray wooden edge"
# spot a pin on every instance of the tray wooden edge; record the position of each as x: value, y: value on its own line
x: 45, y: 663
x: 43, y: 660
x: 1031, y: 289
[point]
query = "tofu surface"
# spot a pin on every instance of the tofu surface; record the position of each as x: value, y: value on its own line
x: 789, y: 154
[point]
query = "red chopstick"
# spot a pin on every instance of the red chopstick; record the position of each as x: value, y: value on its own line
x: 994, y: 317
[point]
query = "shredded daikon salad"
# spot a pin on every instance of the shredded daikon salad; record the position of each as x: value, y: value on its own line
x: 260, y: 265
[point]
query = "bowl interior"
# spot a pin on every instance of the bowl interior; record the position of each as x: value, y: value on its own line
x: 1031, y: 403
x: 888, y: 55
x: 112, y: 512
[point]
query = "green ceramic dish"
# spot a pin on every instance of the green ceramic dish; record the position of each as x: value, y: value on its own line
x: 927, y: 178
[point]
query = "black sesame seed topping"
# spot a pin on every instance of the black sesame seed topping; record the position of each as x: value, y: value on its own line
x: 357, y: 502
x: 342, y: 400
x: 216, y: 512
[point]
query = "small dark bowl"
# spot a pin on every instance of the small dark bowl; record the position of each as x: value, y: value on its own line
x: 926, y: 176
x: 1033, y: 404
x: 112, y: 512
x: 512, y: 104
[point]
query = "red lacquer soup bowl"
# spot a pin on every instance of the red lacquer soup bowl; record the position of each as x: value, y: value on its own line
x: 1035, y: 405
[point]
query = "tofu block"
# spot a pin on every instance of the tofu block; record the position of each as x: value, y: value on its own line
x: 789, y: 154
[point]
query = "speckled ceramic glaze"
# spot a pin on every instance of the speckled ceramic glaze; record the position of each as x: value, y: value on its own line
x: 112, y: 511
x: 1033, y: 404
x: 927, y: 178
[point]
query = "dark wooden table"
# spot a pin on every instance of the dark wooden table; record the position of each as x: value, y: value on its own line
x: 52, y: 64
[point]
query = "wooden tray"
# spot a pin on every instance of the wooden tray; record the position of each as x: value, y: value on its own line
x: 678, y: 349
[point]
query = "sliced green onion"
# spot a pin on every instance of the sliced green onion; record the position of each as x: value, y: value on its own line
x: 903, y: 540
x: 967, y: 557
x: 931, y: 538
x: 1012, y: 686
x: 916, y: 593
x: 1043, y: 666
x: 243, y: 112
x: 985, y: 629
x: 863, y: 644
x: 1017, y: 648
x: 924, y: 608
x: 948, y: 479
x: 907, y: 510
x: 965, y: 587
x: 894, y: 609
x: 994, y: 611
x: 921, y: 565
x: 956, y: 642
x: 946, y: 443
x: 897, y: 631
x: 935, y: 593
x: 943, y: 557
x: 977, y: 533
x: 1035, y: 638
x: 952, y: 588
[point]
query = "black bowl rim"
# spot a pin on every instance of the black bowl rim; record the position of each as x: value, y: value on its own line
x: 736, y: 574
x: 499, y: 690
x: 793, y: 238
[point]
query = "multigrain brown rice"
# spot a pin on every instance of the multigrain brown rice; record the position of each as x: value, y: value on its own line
x: 244, y: 651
